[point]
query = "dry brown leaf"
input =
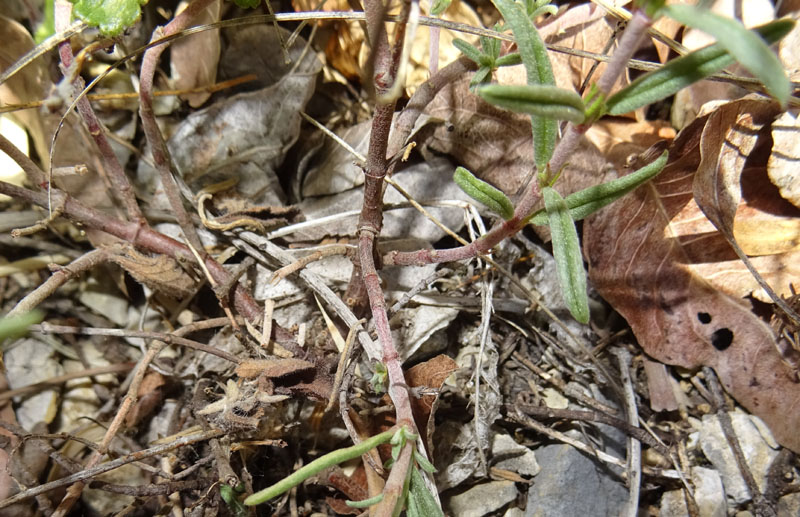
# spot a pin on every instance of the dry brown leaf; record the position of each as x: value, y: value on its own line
x: 493, y: 144
x: 618, y: 139
x: 762, y: 224
x: 638, y: 261
x: 150, y: 396
x: 272, y: 368
x: 784, y: 163
x: 27, y: 85
x: 585, y: 27
x: 160, y: 273
x: 430, y: 374
x: 194, y: 59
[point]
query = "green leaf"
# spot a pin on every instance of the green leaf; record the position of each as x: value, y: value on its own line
x: 537, y: 65
x: 468, y: 50
x: 509, y: 60
x: 365, y: 503
x: 420, y: 495
x: 567, y: 253
x: 110, y: 16
x: 247, y: 4
x: 540, y: 100
x: 683, y: 71
x: 17, y: 326
x: 744, y: 45
x: 423, y: 462
x: 439, y: 6
x: 484, y: 193
x: 229, y: 496
x: 480, y: 76
x: 592, y: 199
x: 323, y: 462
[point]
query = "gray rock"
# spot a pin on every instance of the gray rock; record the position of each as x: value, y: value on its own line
x: 571, y: 484
x: 708, y: 494
x: 482, y: 499
x: 756, y: 449
x: 509, y: 455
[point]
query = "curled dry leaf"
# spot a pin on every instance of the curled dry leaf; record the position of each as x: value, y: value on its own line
x: 150, y: 396
x: 784, y: 162
x: 272, y: 368
x: 160, y: 273
x: 641, y: 259
x: 732, y: 190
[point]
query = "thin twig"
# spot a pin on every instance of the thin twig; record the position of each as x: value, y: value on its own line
x: 74, y: 491
x: 170, y: 339
x: 122, y: 188
x: 111, y: 465
x: 634, y: 445
x: 158, y: 146
x: 60, y: 277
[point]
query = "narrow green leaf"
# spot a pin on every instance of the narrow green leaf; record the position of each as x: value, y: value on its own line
x: 16, y: 326
x: 110, y: 16
x: 592, y: 199
x: 536, y: 99
x: 248, y: 4
x: 365, y: 503
x: 439, y: 6
x: 744, y: 45
x: 468, y: 50
x: 683, y: 71
x: 537, y: 65
x: 484, y: 193
x: 423, y: 462
x: 423, y: 500
x: 229, y: 496
x: 509, y: 60
x: 567, y: 253
x: 332, y: 458
x: 480, y: 76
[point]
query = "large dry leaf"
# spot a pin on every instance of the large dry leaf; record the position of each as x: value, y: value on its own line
x: 639, y: 260
x: 784, y: 163
x: 732, y: 190
x: 493, y: 144
x: 194, y: 59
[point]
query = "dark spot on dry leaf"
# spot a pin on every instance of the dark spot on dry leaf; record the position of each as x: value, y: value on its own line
x: 722, y: 338
x: 704, y: 317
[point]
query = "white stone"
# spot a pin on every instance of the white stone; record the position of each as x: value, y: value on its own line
x: 757, y: 452
x: 708, y: 494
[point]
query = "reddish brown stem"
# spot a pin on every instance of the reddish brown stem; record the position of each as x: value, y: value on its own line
x: 636, y: 31
x: 159, y: 149
x: 422, y: 97
x: 145, y: 238
x: 120, y: 183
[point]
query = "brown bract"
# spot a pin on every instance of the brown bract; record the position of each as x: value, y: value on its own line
x: 652, y: 256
